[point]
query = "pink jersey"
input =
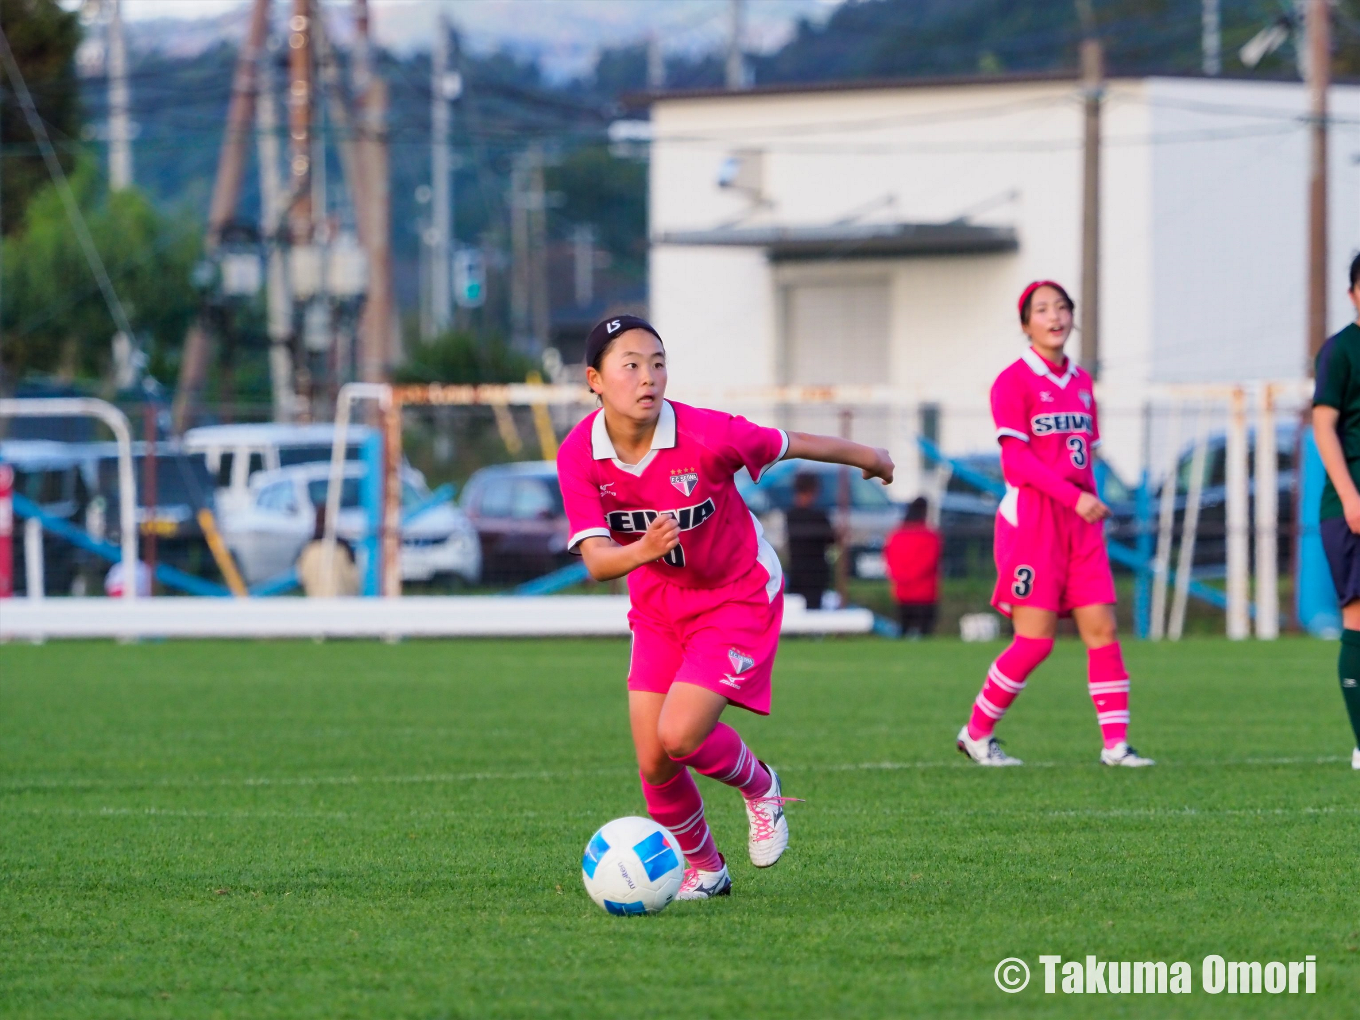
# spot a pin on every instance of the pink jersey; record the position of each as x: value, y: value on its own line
x: 1054, y: 414
x: 687, y: 474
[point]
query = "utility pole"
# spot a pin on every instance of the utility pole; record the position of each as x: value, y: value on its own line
x: 519, y: 253
x: 120, y: 126
x: 583, y: 262
x: 441, y: 205
x: 529, y: 311
x: 1212, y: 39
x: 1318, y: 26
x: 231, y: 161
x: 656, y: 64
x: 278, y: 296
x: 301, y: 225
x: 300, y: 124
x: 1093, y: 89
x: 538, y: 246
x: 377, y: 345
x: 736, y: 60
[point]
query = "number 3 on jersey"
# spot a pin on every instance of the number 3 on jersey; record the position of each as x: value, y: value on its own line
x: 1076, y: 446
x: 1023, y: 583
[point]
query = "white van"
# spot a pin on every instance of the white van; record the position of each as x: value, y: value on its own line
x: 235, y: 452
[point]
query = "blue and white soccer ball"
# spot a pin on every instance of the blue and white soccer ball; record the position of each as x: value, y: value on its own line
x: 633, y: 866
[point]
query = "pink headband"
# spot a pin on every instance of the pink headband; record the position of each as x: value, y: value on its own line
x: 1029, y: 291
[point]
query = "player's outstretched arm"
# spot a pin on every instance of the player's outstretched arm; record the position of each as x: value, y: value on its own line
x: 875, y: 463
x: 1334, y: 460
x: 606, y: 559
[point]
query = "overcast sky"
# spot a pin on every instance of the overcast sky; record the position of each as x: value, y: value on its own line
x: 563, y: 36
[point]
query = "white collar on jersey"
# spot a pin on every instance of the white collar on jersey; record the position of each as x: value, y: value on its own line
x: 663, y: 438
x: 1040, y: 367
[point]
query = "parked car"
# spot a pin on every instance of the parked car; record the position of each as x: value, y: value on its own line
x: 49, y: 473
x: 872, y: 511
x: 968, y: 511
x: 517, y: 511
x: 1211, y: 534
x: 234, y: 453
x: 183, y: 487
x: 279, y: 519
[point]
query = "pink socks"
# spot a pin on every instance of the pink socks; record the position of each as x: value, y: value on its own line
x: 1109, y: 685
x: 725, y: 757
x: 678, y: 806
x: 1005, y: 681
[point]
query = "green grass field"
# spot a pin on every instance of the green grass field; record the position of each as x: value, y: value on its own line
x: 362, y: 830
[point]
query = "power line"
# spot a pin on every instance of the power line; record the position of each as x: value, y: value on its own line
x: 58, y: 175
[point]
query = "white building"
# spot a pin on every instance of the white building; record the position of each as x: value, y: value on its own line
x: 881, y: 233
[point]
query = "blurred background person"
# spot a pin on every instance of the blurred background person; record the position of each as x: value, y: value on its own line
x: 317, y: 582
x: 810, y: 535
x: 912, y: 557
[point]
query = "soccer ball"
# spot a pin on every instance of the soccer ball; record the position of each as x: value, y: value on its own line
x: 633, y: 866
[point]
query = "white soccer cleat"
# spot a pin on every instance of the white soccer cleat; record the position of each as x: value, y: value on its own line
x: 1355, y: 759
x: 705, y: 885
x: 1124, y: 755
x: 769, y: 836
x: 986, y: 751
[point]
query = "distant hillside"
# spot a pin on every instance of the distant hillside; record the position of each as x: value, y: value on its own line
x: 912, y: 38
x: 180, y: 99
x: 916, y: 38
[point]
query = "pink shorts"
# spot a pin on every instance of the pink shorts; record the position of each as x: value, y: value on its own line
x: 723, y: 639
x: 1049, y: 558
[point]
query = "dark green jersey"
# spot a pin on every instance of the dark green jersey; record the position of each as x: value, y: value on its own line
x: 1337, y: 372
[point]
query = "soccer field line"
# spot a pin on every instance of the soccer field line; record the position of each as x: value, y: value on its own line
x: 1010, y: 812
x: 442, y: 778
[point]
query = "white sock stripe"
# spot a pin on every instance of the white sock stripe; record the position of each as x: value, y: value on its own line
x: 698, y: 828
x: 1002, y: 680
x: 1109, y: 687
x: 688, y: 823
x: 736, y: 771
x: 1005, y: 682
x: 1112, y: 717
x: 690, y: 850
x: 988, y: 709
x: 748, y: 765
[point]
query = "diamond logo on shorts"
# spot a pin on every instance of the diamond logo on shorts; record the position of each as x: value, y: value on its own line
x: 741, y: 662
x: 685, y: 480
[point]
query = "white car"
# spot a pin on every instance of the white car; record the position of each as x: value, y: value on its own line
x: 234, y: 453
x: 269, y: 531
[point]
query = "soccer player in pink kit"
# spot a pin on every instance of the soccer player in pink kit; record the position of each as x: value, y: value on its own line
x: 1050, y: 542
x: 648, y: 489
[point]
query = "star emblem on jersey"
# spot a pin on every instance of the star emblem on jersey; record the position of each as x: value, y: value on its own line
x: 741, y: 662
x: 1085, y: 399
x: 685, y: 480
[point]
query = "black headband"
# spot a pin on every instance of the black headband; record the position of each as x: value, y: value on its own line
x: 605, y: 332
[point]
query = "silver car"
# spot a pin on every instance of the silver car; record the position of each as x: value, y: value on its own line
x: 269, y: 531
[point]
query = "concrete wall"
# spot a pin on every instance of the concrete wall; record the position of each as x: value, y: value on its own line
x: 1197, y: 285
x: 1229, y: 226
